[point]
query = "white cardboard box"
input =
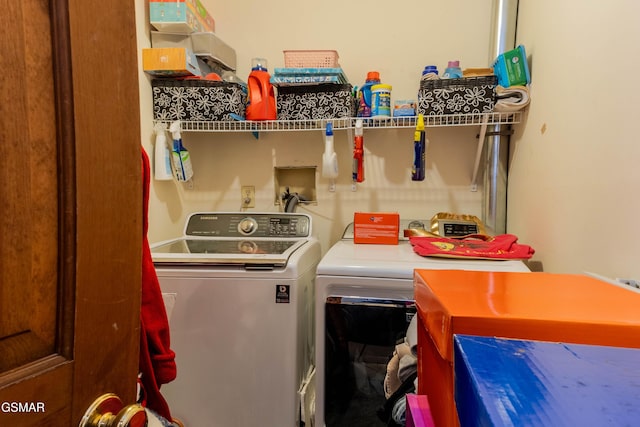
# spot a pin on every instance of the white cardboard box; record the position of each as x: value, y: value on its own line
x: 162, y: 39
x: 207, y: 44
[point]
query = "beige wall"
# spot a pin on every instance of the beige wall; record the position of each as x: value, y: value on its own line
x: 398, y: 41
x: 574, y: 181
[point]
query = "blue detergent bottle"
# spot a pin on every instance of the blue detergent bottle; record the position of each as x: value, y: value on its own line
x: 364, y: 99
x: 453, y: 70
x: 430, y: 69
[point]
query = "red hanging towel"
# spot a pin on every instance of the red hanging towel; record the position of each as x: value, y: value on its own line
x: 503, y: 246
x: 157, y: 360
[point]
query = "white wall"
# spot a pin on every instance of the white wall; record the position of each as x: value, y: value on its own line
x: 574, y: 180
x: 396, y: 39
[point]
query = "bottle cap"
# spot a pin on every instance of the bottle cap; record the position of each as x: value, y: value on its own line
x: 373, y: 75
x: 430, y: 69
x: 453, y: 64
x: 329, y: 129
x: 258, y: 64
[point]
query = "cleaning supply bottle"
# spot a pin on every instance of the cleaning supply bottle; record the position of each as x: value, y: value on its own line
x: 329, y: 157
x: 180, y: 156
x: 381, y: 101
x: 358, y: 153
x: 364, y: 101
x: 162, y: 157
x: 430, y: 72
x: 419, y: 147
x: 262, y: 101
x: 453, y: 70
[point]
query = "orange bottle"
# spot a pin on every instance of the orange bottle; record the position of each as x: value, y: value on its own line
x: 262, y: 100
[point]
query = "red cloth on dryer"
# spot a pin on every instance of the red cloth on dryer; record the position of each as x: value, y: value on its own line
x: 503, y: 246
x: 157, y: 360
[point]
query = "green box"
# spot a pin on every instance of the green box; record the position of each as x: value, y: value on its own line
x: 511, y: 68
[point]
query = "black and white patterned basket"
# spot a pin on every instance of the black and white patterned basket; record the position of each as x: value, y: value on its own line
x: 315, y: 102
x: 468, y: 95
x: 197, y: 100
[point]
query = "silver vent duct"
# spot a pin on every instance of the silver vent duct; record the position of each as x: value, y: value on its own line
x: 494, y: 209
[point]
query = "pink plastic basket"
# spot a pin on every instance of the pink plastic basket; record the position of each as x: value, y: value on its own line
x: 311, y: 59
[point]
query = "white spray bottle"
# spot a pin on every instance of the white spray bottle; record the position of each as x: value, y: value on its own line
x: 329, y: 158
x: 162, y: 157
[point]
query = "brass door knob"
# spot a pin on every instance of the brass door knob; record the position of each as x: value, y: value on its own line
x: 109, y: 411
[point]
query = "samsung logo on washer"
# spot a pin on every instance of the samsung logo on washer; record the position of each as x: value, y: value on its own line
x: 16, y: 407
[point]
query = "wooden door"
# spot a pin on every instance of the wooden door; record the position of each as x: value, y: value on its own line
x: 71, y: 208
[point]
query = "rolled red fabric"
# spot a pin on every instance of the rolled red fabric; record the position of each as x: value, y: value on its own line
x: 503, y: 246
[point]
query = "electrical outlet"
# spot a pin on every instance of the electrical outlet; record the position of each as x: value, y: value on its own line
x: 248, y: 196
x: 629, y: 282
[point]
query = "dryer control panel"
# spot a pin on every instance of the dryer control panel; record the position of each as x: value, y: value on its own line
x: 269, y: 225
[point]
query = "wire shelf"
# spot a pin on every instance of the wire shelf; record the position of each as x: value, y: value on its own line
x: 349, y: 123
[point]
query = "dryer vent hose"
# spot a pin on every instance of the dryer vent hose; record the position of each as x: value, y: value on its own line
x: 291, y: 200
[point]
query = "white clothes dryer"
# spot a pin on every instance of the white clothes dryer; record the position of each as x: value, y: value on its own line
x: 364, y: 303
x: 242, y: 320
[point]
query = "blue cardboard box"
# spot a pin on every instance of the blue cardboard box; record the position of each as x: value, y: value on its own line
x: 510, y: 382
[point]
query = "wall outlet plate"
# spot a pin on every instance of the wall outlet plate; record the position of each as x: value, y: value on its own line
x: 248, y: 196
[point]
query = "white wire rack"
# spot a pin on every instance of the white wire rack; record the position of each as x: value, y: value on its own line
x: 349, y: 123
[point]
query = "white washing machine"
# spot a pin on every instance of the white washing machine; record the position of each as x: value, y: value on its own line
x: 242, y: 320
x: 364, y: 303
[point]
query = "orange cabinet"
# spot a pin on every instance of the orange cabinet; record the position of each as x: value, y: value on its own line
x: 534, y: 306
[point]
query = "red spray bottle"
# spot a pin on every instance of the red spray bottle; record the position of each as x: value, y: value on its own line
x: 262, y: 100
x: 358, y: 153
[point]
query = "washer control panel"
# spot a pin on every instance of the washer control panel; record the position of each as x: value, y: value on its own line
x: 276, y: 225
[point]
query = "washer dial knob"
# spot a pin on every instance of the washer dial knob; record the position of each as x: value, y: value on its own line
x: 247, y: 226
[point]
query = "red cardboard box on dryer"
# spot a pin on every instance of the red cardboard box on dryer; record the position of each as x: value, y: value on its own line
x: 376, y: 227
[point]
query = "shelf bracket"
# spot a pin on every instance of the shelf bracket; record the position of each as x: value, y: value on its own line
x: 476, y: 166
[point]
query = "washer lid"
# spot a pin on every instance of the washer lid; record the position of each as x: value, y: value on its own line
x: 257, y: 252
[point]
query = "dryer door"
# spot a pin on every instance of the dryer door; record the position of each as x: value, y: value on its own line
x: 360, y: 339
